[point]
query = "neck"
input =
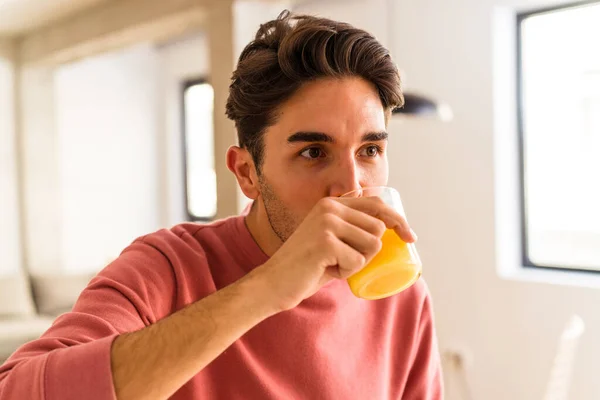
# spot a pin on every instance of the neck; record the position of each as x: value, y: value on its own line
x: 259, y: 226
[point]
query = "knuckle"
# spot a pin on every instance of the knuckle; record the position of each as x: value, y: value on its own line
x: 377, y: 245
x: 329, y: 219
x: 358, y: 261
x: 352, y: 263
x: 376, y: 206
x: 329, y: 240
x: 377, y: 200
x: 374, y: 246
x: 403, y: 224
x: 327, y: 204
x: 380, y: 227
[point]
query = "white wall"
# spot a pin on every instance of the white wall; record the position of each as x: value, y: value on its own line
x: 445, y: 172
x: 9, y: 210
x: 39, y: 170
x: 106, y: 118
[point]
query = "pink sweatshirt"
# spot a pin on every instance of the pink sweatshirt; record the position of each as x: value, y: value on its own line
x: 332, y: 346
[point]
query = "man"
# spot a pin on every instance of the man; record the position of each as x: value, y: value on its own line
x: 256, y: 306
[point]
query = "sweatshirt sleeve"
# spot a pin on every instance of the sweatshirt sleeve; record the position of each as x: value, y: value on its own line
x: 425, y: 380
x: 72, y: 359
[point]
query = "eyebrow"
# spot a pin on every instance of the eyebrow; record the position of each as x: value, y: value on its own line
x: 375, y: 137
x: 315, y: 137
x: 310, y: 137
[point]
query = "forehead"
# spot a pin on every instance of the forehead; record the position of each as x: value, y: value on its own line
x: 341, y: 107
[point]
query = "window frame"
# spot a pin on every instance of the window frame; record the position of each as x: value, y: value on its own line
x: 185, y: 85
x: 525, y: 259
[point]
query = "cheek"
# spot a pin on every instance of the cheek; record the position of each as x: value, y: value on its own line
x: 303, y: 191
x: 375, y: 175
x: 383, y: 173
x: 299, y: 190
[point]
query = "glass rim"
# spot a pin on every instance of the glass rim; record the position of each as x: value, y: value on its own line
x: 370, y: 188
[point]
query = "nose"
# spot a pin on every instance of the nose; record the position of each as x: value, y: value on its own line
x: 345, y: 178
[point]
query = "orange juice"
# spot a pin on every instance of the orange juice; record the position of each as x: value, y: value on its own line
x: 391, y: 271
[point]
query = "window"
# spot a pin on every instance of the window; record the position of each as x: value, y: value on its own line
x: 559, y: 118
x: 198, y: 130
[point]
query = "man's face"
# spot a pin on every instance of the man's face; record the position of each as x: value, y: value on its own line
x: 329, y: 139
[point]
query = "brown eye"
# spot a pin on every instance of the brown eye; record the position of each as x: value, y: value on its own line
x: 370, y: 151
x: 312, y: 153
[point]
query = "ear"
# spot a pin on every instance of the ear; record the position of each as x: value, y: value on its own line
x: 239, y: 161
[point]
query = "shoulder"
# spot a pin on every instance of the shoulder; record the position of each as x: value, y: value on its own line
x: 169, y: 264
x: 173, y: 253
x: 415, y: 301
x: 184, y: 238
x: 417, y: 294
x: 423, y: 299
x: 165, y: 250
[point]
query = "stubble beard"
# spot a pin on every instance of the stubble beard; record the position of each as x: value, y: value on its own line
x: 282, y: 220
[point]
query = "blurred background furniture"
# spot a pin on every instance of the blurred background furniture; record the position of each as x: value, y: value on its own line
x: 29, y: 304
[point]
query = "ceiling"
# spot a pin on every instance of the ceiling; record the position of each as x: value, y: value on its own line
x: 18, y: 17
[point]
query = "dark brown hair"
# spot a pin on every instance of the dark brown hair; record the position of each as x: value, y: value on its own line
x: 292, y: 50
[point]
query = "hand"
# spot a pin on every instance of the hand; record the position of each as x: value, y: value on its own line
x: 337, y: 238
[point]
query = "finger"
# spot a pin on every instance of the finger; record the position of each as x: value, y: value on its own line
x: 358, y: 239
x: 375, y: 207
x: 349, y: 260
x: 362, y: 220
